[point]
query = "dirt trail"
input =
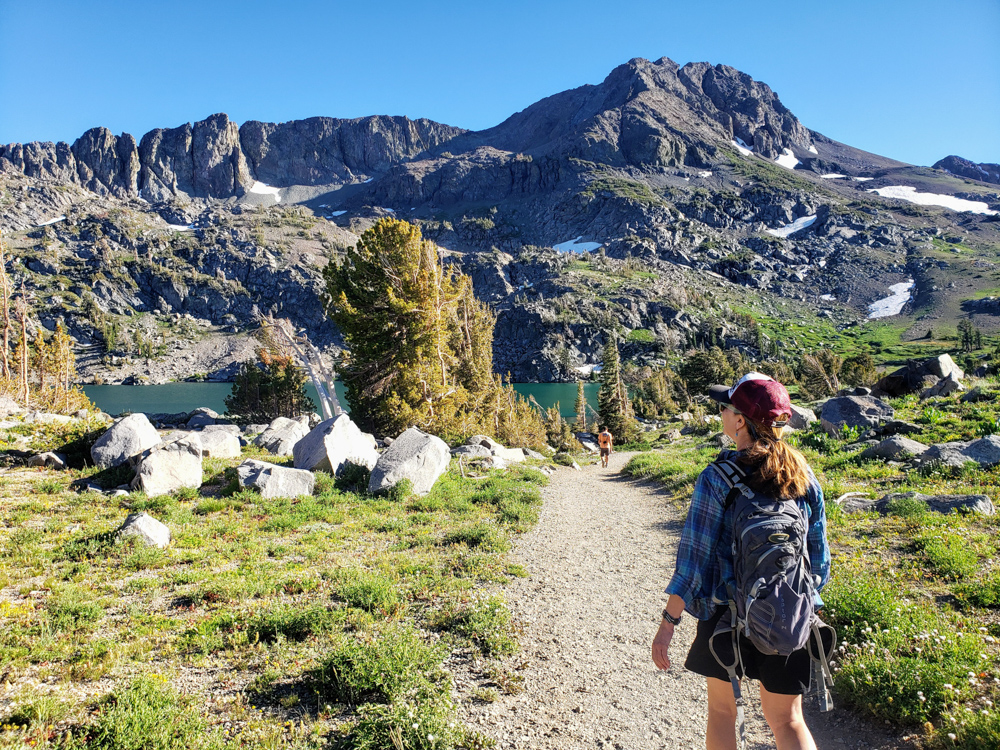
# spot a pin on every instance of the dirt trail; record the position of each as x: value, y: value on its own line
x: 598, y: 561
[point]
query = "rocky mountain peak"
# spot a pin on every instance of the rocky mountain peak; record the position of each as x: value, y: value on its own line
x: 965, y: 168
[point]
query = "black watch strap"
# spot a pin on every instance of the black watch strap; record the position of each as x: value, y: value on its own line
x: 670, y: 618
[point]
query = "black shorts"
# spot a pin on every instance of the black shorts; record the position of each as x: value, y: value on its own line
x: 785, y: 675
x: 605, y: 451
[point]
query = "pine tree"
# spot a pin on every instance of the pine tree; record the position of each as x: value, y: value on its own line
x: 581, y: 407
x: 272, y: 387
x: 421, y: 344
x: 41, y: 357
x: 613, y: 405
x: 5, y: 303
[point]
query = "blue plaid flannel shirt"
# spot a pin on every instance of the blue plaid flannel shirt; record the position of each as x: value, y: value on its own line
x: 704, y: 566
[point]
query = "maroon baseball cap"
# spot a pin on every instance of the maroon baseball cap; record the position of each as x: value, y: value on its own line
x: 761, y: 398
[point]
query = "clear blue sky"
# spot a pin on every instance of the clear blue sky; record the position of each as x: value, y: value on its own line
x: 915, y: 80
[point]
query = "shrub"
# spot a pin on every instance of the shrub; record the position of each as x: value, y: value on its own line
x: 271, y: 387
x: 487, y: 623
x: 982, y: 593
x: 71, y: 609
x: 483, y: 536
x: 372, y: 592
x: 427, y: 724
x: 948, y: 554
x: 381, y: 666
x: 148, y: 715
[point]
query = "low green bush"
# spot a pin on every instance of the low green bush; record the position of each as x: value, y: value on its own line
x: 372, y: 592
x: 381, y: 666
x: 948, y: 554
x: 486, y: 537
x: 148, y: 715
x: 984, y: 592
x: 71, y: 608
x: 488, y: 623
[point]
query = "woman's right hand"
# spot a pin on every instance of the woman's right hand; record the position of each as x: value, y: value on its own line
x: 661, y: 644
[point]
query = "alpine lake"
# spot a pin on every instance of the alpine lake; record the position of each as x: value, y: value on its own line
x: 172, y: 398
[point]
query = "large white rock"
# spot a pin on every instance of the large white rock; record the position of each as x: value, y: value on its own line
x: 414, y: 455
x: 219, y: 444
x: 510, y: 454
x: 483, y: 440
x: 332, y: 444
x: 944, y: 387
x: 145, y: 529
x: 169, y: 467
x: 49, y: 460
x: 282, y: 434
x: 275, y: 481
x: 126, y: 438
x: 801, y: 417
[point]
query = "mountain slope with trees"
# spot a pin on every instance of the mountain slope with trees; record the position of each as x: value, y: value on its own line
x: 665, y: 205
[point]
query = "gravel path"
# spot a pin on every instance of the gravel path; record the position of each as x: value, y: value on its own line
x: 598, y: 561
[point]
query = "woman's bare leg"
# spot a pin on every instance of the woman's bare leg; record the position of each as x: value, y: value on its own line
x: 784, y: 715
x: 721, y: 732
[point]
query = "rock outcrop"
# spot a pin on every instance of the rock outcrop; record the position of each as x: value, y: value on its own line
x: 965, y: 168
x: 128, y: 437
x: 415, y: 456
x: 854, y: 411
x: 145, y: 529
x: 170, y: 466
x: 282, y: 434
x: 275, y: 481
x: 333, y: 444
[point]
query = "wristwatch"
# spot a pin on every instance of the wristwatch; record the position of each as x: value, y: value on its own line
x: 670, y: 618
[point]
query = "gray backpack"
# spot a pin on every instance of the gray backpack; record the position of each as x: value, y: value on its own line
x: 772, y: 602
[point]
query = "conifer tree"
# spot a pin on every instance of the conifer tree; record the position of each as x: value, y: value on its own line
x: 581, y: 407
x: 22, y: 352
x: 421, y: 344
x: 41, y: 357
x: 613, y: 405
x: 270, y: 388
x: 63, y: 357
x: 5, y: 304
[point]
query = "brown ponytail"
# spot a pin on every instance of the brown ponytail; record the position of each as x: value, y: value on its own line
x: 780, y: 468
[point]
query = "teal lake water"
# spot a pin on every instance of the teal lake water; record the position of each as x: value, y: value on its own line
x: 177, y: 397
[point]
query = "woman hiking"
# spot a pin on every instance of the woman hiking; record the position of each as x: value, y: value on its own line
x: 754, y: 413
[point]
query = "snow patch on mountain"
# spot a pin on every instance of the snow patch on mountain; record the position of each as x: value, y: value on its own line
x: 259, y: 188
x: 787, y: 159
x: 910, y: 194
x: 892, y: 305
x: 801, y: 223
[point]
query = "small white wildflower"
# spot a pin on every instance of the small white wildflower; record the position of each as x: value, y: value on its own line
x: 984, y: 712
x: 948, y: 686
x: 416, y: 725
x: 988, y: 702
x: 918, y: 650
x: 430, y: 738
x: 982, y: 630
x: 922, y: 699
x: 951, y: 736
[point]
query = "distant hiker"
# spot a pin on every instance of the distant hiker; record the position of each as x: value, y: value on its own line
x: 760, y: 498
x: 606, y: 441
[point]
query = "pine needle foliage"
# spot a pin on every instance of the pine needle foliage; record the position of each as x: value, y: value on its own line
x: 580, y: 407
x: 269, y: 388
x: 613, y: 406
x: 820, y: 373
x: 420, y: 343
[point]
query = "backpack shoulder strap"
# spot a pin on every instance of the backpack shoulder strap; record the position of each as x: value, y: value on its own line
x: 732, y: 474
